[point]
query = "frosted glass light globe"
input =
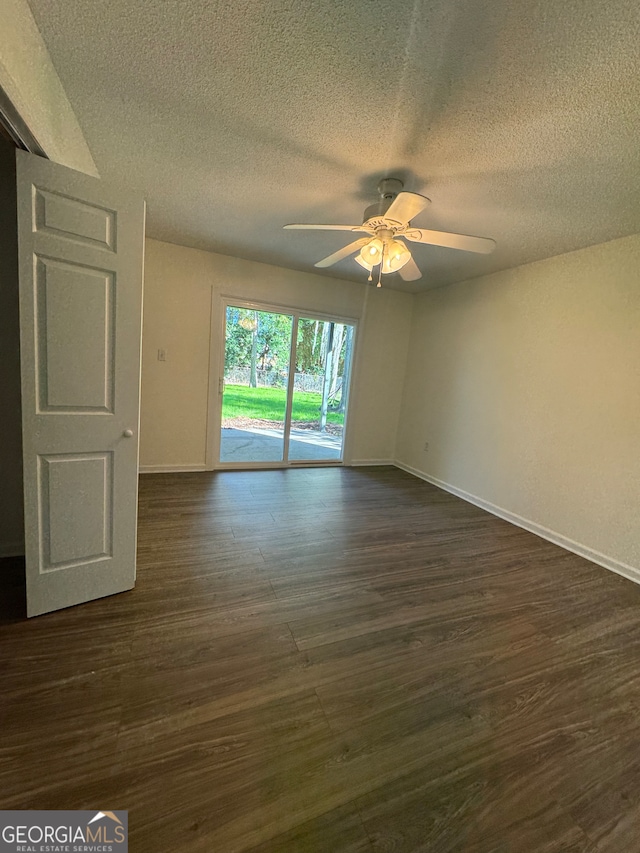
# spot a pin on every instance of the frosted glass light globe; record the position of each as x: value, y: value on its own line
x: 396, y: 255
x: 363, y: 263
x: 371, y: 253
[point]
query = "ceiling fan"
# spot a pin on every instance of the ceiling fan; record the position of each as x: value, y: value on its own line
x: 384, y: 222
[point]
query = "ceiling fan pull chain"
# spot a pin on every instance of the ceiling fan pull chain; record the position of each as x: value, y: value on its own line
x: 379, y: 284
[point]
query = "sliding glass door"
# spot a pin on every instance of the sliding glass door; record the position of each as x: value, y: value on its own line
x: 320, y: 389
x: 256, y: 383
x: 285, y: 388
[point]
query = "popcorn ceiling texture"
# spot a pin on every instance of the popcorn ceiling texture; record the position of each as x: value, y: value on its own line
x: 520, y: 120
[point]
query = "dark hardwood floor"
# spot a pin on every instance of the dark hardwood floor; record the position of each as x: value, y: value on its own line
x: 334, y: 661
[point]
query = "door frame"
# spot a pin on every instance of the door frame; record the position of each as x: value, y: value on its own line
x: 216, y: 380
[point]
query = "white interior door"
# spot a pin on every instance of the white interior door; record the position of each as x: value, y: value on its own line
x: 81, y: 250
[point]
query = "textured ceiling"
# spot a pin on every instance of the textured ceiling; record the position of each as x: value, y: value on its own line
x: 520, y: 119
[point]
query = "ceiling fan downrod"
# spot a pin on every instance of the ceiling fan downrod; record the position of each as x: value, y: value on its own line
x: 388, y: 188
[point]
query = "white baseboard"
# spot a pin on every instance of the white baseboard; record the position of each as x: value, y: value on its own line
x: 169, y: 469
x: 362, y: 462
x: 11, y: 549
x: 630, y: 572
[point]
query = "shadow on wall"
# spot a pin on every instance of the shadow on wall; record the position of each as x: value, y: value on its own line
x: 13, y: 591
x: 11, y: 500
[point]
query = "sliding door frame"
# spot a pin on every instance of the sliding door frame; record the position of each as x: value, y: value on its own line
x: 216, y: 382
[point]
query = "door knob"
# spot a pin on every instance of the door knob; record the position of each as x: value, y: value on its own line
x: 128, y: 433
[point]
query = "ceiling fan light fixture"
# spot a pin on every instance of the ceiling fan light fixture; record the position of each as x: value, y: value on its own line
x: 395, y: 257
x: 363, y: 263
x: 371, y: 253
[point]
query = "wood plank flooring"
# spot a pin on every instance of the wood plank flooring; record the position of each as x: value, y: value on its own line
x: 333, y: 661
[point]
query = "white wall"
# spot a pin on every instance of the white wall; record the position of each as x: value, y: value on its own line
x: 526, y: 384
x: 11, y: 500
x: 182, y: 286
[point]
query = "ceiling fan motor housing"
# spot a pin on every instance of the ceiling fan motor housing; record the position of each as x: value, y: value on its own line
x: 375, y: 213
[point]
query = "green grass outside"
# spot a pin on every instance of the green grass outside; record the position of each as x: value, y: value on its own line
x: 268, y: 404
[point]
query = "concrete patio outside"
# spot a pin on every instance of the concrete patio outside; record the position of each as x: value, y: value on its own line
x: 266, y: 445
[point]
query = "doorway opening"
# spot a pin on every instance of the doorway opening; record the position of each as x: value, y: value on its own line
x: 285, y: 387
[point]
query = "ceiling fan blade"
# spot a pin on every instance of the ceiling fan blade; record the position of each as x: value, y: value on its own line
x: 410, y: 271
x: 405, y: 206
x: 482, y: 245
x: 328, y: 227
x: 342, y: 253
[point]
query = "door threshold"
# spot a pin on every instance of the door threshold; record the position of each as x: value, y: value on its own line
x: 275, y: 466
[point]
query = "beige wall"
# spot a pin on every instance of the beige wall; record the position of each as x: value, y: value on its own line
x: 11, y: 501
x: 526, y: 384
x: 382, y: 357
x: 32, y: 85
x: 183, y: 285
